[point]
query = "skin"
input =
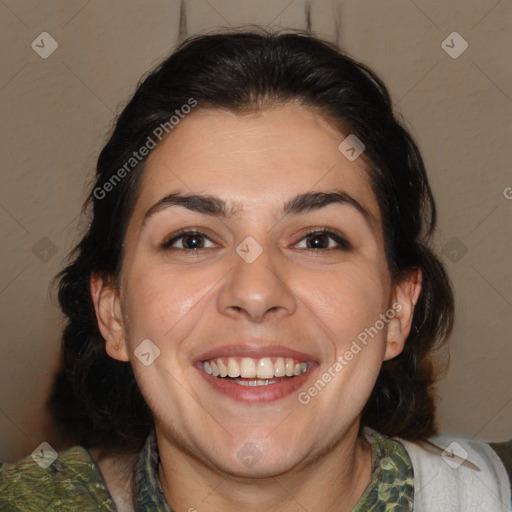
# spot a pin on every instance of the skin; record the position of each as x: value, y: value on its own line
x: 314, y: 302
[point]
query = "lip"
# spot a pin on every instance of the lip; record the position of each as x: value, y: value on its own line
x: 256, y: 394
x: 256, y: 350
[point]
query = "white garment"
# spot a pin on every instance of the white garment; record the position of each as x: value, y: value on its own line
x: 446, y: 479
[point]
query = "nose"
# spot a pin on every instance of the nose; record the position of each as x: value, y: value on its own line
x: 258, y: 290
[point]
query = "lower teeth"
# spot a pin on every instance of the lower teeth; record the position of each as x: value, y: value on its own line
x: 255, y: 382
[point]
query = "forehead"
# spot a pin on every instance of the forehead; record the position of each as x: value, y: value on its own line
x: 256, y: 159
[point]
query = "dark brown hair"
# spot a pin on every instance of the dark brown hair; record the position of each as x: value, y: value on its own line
x: 95, y: 399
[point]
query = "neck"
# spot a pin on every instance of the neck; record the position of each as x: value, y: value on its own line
x: 333, y: 481
x: 117, y: 471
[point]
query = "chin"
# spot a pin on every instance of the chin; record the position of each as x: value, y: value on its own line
x: 257, y: 469
x: 258, y: 459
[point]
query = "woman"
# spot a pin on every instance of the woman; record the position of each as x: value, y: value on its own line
x: 253, y: 308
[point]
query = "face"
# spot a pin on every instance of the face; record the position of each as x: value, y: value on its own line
x: 261, y: 279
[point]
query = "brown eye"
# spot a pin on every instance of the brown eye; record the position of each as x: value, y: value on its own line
x: 322, y: 239
x: 189, y: 241
x: 193, y: 241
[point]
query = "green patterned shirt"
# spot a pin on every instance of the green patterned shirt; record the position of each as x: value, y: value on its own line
x: 74, y: 482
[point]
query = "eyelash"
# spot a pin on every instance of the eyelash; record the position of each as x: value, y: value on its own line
x: 343, y: 244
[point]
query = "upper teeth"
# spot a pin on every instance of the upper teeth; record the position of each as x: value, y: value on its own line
x: 250, y: 368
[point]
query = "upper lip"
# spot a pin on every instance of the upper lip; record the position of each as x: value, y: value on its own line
x: 254, y: 349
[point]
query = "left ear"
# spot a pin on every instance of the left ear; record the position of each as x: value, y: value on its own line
x: 405, y: 295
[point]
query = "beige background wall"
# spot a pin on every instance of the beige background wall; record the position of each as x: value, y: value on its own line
x: 55, y: 113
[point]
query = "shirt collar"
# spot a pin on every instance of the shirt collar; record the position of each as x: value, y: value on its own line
x: 391, y: 484
x: 149, y: 495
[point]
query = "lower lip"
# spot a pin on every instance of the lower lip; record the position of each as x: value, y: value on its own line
x: 257, y: 394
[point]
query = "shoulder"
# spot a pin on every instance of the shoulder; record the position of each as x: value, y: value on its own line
x: 504, y: 451
x: 65, y: 481
x: 466, y: 474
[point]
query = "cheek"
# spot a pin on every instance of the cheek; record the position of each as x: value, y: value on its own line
x: 159, y: 300
x: 347, y: 300
x: 174, y: 309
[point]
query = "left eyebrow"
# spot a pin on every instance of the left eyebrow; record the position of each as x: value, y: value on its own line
x: 217, y: 207
x: 316, y: 200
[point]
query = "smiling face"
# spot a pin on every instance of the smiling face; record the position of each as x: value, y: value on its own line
x: 275, y: 282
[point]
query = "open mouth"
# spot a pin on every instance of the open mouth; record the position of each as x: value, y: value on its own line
x: 255, y: 379
x: 248, y: 367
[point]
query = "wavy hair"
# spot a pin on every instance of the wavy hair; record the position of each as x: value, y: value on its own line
x: 95, y: 399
